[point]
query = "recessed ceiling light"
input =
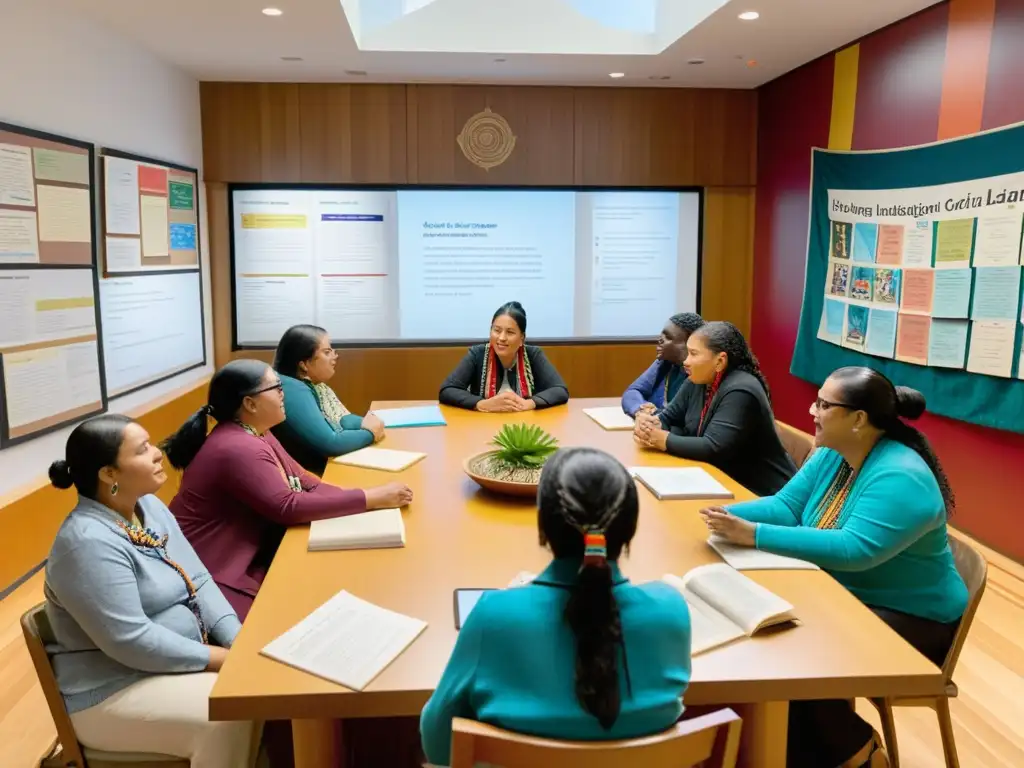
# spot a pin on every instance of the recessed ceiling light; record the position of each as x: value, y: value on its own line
x: 291, y: 58
x: 500, y: 61
x: 616, y: 74
x: 272, y: 11
x: 750, y: 15
x: 355, y: 72
x: 695, y: 61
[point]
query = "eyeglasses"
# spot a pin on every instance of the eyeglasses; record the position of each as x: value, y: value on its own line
x: 822, y: 404
x: 271, y: 388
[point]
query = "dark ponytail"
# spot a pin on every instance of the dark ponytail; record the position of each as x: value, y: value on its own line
x: 92, y: 445
x: 886, y: 405
x: 228, y: 388
x: 583, y: 488
x: 720, y: 336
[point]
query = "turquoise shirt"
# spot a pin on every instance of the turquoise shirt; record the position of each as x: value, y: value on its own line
x: 514, y: 664
x: 307, y: 435
x: 890, y: 547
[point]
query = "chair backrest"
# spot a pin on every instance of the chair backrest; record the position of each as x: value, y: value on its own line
x: 36, y: 627
x: 973, y: 569
x: 799, y: 445
x: 711, y: 741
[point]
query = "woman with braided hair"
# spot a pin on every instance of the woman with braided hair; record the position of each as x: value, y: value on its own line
x: 505, y: 375
x: 869, y: 507
x: 722, y: 414
x: 579, y: 653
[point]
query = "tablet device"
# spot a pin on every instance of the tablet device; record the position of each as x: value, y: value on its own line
x: 465, y: 600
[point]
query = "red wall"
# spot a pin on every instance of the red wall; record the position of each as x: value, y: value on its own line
x: 907, y: 77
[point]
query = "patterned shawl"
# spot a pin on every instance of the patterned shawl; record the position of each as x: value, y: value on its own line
x: 330, y: 405
x: 489, y: 383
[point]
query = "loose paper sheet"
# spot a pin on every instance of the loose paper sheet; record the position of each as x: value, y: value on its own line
x: 65, y: 214
x: 17, y: 187
x: 154, y: 226
x: 991, y: 350
x: 998, y: 239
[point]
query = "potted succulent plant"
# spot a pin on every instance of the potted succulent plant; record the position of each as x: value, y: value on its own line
x: 514, y: 465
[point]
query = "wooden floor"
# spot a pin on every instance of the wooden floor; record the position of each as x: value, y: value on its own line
x: 990, y: 675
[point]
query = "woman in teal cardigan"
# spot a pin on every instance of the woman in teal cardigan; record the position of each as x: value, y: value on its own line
x: 317, y: 427
x: 870, y: 508
x: 580, y: 653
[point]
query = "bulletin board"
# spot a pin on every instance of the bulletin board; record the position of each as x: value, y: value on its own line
x: 151, y: 292
x: 150, y: 215
x: 914, y: 269
x: 51, y: 360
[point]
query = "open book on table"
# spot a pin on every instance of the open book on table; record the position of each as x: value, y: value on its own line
x: 725, y: 605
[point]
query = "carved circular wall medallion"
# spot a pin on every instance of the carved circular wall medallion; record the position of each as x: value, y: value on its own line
x: 487, y: 139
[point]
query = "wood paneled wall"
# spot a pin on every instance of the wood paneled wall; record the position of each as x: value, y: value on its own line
x: 406, y: 134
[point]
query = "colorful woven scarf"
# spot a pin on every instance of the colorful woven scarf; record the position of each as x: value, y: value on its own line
x: 489, y: 383
x: 147, y: 539
x: 330, y: 405
x: 712, y: 391
x: 828, y: 514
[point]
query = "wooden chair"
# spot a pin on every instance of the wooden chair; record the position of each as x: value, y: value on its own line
x: 974, y: 571
x: 799, y: 445
x: 67, y: 752
x: 711, y: 741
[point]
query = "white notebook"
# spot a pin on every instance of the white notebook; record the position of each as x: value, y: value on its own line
x: 346, y: 640
x: 668, y: 483
x: 378, y: 529
x: 751, y: 559
x: 387, y: 459
x: 725, y: 605
x: 610, y: 417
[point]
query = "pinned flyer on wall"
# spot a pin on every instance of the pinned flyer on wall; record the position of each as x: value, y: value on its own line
x: 154, y: 203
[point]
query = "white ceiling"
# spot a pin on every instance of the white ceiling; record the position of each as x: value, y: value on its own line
x: 233, y: 40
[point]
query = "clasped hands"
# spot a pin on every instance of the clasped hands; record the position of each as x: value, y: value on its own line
x: 373, y: 424
x: 506, y: 402
x: 648, y: 432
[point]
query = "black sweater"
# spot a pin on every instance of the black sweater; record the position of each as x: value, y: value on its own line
x: 462, y: 387
x: 739, y: 434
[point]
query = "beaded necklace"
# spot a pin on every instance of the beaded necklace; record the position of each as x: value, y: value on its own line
x: 294, y: 482
x: 832, y: 503
x: 148, y: 539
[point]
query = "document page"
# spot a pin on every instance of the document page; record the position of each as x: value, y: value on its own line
x: 346, y: 640
x: 743, y: 601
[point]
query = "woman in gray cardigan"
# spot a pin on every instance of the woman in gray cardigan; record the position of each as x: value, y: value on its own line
x: 140, y: 627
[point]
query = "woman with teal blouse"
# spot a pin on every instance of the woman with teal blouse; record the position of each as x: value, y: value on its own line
x: 317, y: 427
x: 870, y: 508
x: 580, y: 653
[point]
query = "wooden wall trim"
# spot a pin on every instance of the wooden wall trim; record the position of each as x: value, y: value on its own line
x: 31, y: 515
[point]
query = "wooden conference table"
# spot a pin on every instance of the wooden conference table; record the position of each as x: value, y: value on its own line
x: 459, y: 536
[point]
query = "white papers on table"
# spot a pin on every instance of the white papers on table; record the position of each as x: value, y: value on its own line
x: 386, y: 459
x: 610, y: 417
x: 376, y: 529
x: 346, y: 640
x: 413, y: 416
x: 17, y: 185
x: 121, y: 202
x: 751, y: 559
x: 668, y: 483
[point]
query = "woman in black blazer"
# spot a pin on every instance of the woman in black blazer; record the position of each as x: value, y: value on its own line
x: 722, y: 414
x: 505, y: 374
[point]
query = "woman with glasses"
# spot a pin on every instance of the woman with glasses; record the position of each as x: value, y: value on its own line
x: 240, y: 488
x: 869, y: 507
x: 317, y: 427
x: 505, y: 375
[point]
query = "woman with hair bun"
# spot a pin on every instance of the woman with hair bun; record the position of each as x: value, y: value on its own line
x: 240, y: 489
x: 722, y: 414
x: 140, y: 628
x: 579, y: 653
x: 870, y: 507
x: 505, y: 375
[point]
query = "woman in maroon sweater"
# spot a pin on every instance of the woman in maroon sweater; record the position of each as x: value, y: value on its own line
x: 241, y: 490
